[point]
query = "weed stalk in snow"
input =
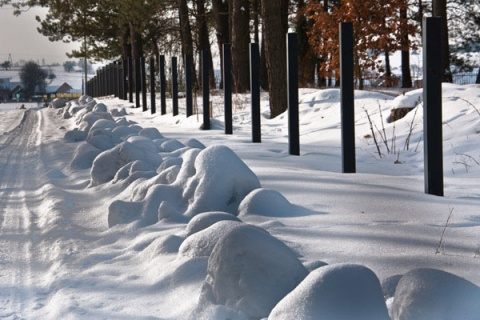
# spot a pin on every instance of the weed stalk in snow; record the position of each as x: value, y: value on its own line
x: 373, y: 133
x: 441, y: 243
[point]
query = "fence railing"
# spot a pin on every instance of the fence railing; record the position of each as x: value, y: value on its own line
x: 464, y: 77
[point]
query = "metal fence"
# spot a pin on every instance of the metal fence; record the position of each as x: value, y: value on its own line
x: 464, y: 77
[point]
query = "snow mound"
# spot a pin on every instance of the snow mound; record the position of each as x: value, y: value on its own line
x: 84, y: 156
x: 162, y: 245
x: 194, y: 143
x: 58, y: 103
x: 408, y: 100
x: 201, y: 244
x: 221, y: 182
x: 435, y: 294
x: 250, y: 271
x: 389, y: 285
x: 100, y: 107
x: 206, y: 219
x: 143, y: 143
x: 151, y: 133
x: 201, y: 184
x: 75, y: 135
x: 340, y: 292
x: 88, y: 120
x: 267, y: 202
x: 171, y: 145
x: 107, y: 163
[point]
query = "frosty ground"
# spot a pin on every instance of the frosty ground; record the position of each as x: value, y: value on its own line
x: 123, y: 237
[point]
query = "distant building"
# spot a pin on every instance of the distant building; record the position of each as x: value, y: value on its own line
x: 11, y: 90
x: 14, y: 91
x: 54, y: 91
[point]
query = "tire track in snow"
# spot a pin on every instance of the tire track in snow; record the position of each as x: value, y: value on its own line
x: 20, y: 263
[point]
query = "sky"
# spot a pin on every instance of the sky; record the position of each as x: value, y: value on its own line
x: 20, y: 38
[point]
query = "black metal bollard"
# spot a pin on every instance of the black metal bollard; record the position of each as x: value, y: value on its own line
x: 227, y: 87
x: 123, y: 83
x: 347, y: 98
x: 174, y: 86
x: 153, y: 108
x: 206, y: 90
x: 292, y: 78
x: 138, y: 82
x: 255, y: 92
x: 144, y: 83
x: 432, y: 106
x: 115, y: 79
x: 111, y: 80
x: 163, y: 99
x: 188, y: 84
x: 105, y: 81
x: 130, y: 80
x: 97, y: 84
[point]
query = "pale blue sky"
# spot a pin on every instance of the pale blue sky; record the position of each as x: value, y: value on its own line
x: 20, y: 38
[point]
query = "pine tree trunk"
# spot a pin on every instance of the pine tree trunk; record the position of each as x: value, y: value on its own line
x: 405, y: 44
x: 275, y: 19
x: 137, y: 51
x: 220, y: 12
x: 440, y: 10
x: 263, y: 63
x: 203, y: 39
x: 306, y: 58
x: 185, y: 28
x: 186, y: 35
x: 240, y: 32
x: 388, y: 70
x: 125, y: 43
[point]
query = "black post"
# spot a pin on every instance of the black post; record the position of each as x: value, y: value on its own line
x: 255, y: 92
x: 119, y: 79
x: 130, y: 80
x: 138, y: 82
x: 97, y: 82
x: 115, y: 79
x: 144, y: 84
x: 174, y: 86
x: 111, y: 79
x: 432, y: 105
x: 206, y: 90
x: 227, y: 87
x: 153, y: 108
x: 292, y: 78
x: 163, y: 100
x: 107, y: 81
x: 104, y: 81
x: 106, y: 75
x: 347, y: 98
x: 188, y: 84
x: 123, y: 83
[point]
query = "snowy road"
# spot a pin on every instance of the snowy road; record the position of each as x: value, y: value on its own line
x: 21, y: 258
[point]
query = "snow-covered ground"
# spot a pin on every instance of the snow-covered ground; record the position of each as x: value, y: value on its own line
x: 104, y: 217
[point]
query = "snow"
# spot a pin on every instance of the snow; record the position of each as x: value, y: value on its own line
x: 109, y: 212
x: 326, y: 291
x: 435, y: 294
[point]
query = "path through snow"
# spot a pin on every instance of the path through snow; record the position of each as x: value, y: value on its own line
x: 22, y: 259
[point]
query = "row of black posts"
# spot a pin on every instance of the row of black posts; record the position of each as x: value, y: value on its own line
x: 114, y: 80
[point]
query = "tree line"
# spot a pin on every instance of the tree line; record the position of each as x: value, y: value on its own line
x: 112, y: 29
